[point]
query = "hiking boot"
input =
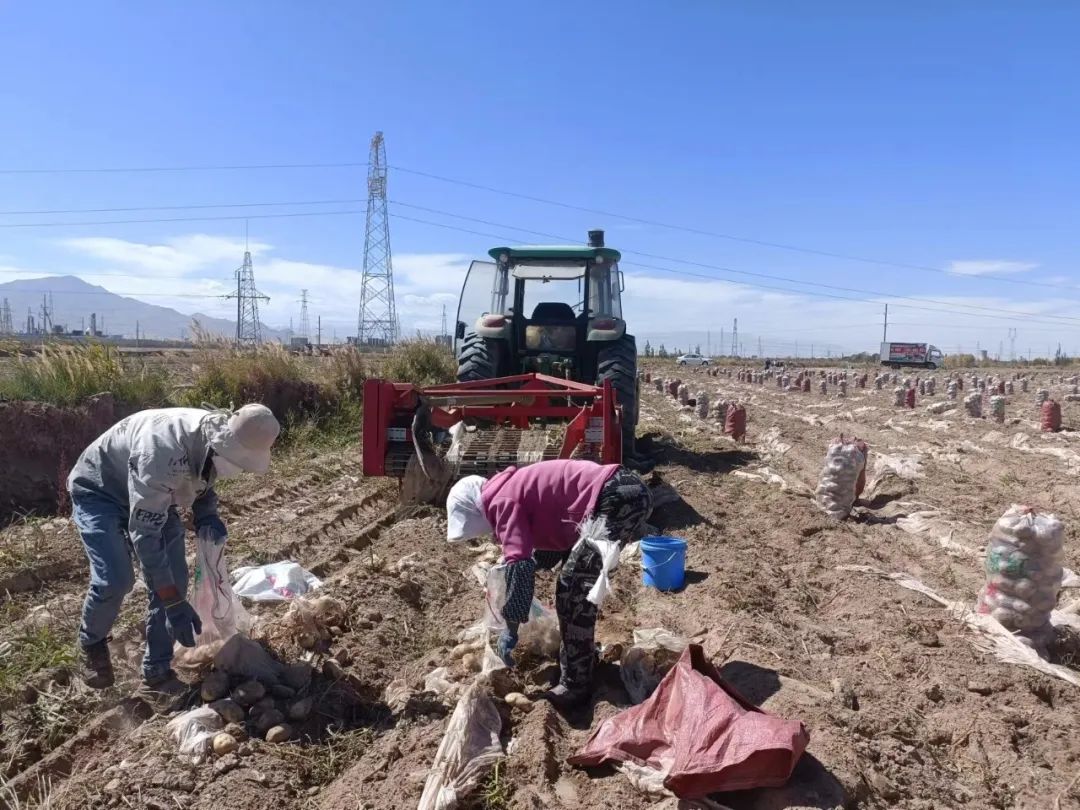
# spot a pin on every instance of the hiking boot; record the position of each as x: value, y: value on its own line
x: 565, y: 699
x: 97, y: 669
x: 164, y: 692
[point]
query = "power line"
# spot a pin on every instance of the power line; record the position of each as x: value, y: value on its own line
x: 720, y: 235
x: 194, y: 207
x: 179, y: 219
x: 540, y: 200
x: 203, y: 168
x: 1011, y: 314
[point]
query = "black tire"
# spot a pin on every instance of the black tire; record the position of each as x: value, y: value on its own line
x: 479, y: 359
x: 617, y: 361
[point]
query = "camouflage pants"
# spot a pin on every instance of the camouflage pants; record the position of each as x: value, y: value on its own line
x: 625, y: 502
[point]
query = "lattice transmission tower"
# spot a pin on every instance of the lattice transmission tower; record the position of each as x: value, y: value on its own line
x: 305, y: 326
x: 377, y: 323
x: 6, y: 326
x: 248, y: 328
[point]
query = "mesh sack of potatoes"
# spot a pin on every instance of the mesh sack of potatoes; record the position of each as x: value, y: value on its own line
x: 973, y: 404
x: 843, y: 472
x: 1023, y: 573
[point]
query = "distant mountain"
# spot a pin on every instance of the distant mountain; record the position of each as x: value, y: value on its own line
x: 73, y: 301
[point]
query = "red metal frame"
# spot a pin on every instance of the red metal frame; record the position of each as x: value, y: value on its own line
x: 512, y: 401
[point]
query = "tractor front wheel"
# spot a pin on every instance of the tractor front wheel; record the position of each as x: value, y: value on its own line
x: 479, y: 359
x: 617, y: 361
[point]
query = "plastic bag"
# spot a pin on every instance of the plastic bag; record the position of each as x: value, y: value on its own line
x: 646, y: 663
x: 469, y: 749
x: 275, y: 582
x: 214, y: 600
x: 539, y: 634
x: 193, y: 730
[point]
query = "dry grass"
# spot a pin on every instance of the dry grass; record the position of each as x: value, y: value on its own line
x: 421, y: 362
x: 70, y: 375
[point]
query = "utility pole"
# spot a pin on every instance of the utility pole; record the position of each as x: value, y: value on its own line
x: 811, y: 351
x: 318, y: 341
x: 721, y: 341
x: 377, y: 322
x: 796, y: 348
x: 760, y: 353
x: 443, y: 328
x: 136, y: 333
x: 1012, y: 344
x: 735, y: 338
x: 6, y: 326
x: 885, y: 328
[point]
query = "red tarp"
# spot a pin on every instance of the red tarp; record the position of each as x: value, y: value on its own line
x: 703, y: 733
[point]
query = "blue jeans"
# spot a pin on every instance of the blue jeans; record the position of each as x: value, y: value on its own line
x: 102, y: 524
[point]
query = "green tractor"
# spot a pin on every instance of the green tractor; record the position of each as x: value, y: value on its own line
x: 553, y: 310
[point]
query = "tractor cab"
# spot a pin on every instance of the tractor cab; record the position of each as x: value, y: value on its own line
x: 549, y: 309
x: 544, y: 304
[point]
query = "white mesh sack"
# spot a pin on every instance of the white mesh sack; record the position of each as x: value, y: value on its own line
x: 702, y: 405
x: 973, y: 404
x: 898, y: 397
x: 838, y: 487
x: 1023, y: 573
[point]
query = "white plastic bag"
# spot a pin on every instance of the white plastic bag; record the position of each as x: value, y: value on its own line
x: 193, y: 731
x: 274, y: 582
x: 214, y: 600
x: 469, y: 749
x: 646, y: 663
x: 538, y: 634
x: 594, y: 531
x: 494, y: 583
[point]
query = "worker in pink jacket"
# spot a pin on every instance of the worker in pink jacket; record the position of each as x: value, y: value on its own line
x: 534, y: 513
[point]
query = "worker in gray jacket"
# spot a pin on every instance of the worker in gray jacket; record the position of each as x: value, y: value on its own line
x: 126, y: 492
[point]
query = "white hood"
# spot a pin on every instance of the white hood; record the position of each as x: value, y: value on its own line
x: 465, y: 511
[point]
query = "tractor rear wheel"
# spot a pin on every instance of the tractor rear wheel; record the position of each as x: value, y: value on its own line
x: 617, y: 361
x: 479, y: 359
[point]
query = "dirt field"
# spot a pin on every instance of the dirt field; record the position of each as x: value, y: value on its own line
x: 903, y: 710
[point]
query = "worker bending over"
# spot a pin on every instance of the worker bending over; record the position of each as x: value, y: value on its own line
x: 534, y: 513
x: 126, y: 492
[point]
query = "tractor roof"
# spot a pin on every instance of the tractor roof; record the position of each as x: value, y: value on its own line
x: 540, y: 252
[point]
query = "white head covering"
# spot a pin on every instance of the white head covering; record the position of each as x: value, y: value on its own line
x: 245, y: 440
x: 465, y: 511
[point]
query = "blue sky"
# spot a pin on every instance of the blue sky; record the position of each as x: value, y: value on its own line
x: 937, y: 134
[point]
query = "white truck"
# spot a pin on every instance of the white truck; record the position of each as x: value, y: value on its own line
x: 917, y: 355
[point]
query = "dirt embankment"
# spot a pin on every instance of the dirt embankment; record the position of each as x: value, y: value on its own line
x: 40, y: 444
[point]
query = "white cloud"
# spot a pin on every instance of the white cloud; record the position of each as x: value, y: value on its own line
x: 989, y: 267
x: 178, y: 256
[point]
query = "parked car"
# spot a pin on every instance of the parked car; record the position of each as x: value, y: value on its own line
x: 692, y: 360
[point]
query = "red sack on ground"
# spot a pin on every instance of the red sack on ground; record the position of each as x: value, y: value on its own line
x: 702, y: 734
x: 1051, y: 416
x: 909, y: 398
x: 735, y: 422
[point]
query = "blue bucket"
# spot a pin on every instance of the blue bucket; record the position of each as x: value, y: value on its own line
x: 663, y: 560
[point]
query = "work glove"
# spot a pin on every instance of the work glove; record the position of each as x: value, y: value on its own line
x: 508, y: 639
x: 182, y: 622
x: 213, y: 530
